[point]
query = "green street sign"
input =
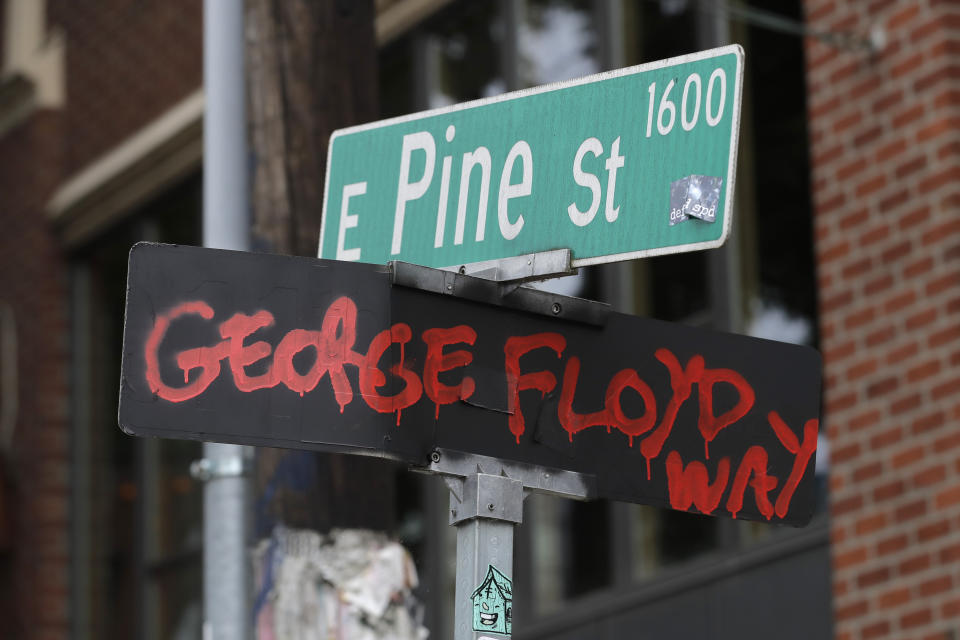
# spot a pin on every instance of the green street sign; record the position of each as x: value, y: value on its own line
x: 621, y: 165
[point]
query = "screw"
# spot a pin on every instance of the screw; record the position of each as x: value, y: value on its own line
x: 556, y: 308
x: 490, y: 507
x: 449, y: 287
x: 435, y: 457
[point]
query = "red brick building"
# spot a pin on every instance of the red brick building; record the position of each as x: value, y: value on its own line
x: 76, y: 84
x: 847, y: 237
x: 885, y: 143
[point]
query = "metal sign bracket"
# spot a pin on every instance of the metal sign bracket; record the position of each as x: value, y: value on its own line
x: 526, y: 268
x: 486, y: 503
x: 505, y: 293
x: 486, y: 494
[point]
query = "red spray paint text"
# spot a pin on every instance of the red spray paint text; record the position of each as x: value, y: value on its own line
x: 334, y: 346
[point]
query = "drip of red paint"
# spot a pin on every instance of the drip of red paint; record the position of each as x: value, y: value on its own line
x: 631, y: 427
x: 543, y: 381
x: 681, y: 381
x: 754, y: 463
x: 205, y: 358
x: 570, y: 420
x: 436, y: 362
x: 802, y: 450
x: 709, y: 424
x: 371, y: 378
x: 691, y: 484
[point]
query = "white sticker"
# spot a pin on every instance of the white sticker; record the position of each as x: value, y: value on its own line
x: 694, y: 196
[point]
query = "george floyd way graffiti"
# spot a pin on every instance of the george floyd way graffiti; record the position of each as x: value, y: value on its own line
x: 316, y: 354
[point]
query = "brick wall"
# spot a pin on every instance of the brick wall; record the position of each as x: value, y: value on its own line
x: 886, y: 172
x: 126, y: 62
x: 33, y: 280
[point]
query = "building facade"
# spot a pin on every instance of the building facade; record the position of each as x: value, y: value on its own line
x: 886, y: 158
x: 847, y: 238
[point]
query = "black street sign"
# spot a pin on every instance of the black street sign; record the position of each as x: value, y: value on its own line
x: 399, y: 362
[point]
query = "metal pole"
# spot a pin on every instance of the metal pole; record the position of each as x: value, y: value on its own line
x: 226, y: 201
x: 486, y: 503
x: 485, y: 514
x: 713, y: 30
x: 226, y: 225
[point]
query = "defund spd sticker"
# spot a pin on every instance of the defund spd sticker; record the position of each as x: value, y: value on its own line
x: 694, y: 197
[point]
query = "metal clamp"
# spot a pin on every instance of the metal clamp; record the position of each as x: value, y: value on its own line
x: 206, y: 469
x: 525, y: 268
x: 509, y: 294
x: 476, y: 482
x: 485, y: 496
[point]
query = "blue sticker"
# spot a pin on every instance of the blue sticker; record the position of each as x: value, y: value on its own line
x: 493, y: 603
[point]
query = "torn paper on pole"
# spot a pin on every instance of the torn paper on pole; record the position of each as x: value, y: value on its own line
x: 351, y: 583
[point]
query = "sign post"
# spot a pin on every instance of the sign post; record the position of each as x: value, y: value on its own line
x: 500, y: 389
x: 486, y: 503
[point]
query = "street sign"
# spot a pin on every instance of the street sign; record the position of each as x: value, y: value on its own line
x: 404, y: 361
x: 621, y: 165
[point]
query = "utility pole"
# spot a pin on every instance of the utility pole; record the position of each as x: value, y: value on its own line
x: 226, y: 225
x: 312, y: 69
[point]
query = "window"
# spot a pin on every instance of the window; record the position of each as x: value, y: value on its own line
x: 137, y: 512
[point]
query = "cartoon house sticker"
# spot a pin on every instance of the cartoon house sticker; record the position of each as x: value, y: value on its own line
x: 493, y: 603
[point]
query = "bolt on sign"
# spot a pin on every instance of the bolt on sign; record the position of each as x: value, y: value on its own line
x: 621, y: 165
x: 317, y: 354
